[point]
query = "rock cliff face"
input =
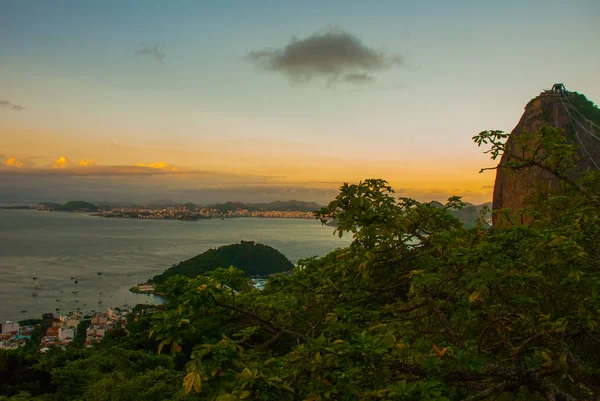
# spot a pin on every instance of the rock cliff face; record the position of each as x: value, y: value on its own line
x: 577, y: 117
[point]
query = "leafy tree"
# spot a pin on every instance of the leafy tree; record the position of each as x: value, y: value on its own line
x: 417, y: 307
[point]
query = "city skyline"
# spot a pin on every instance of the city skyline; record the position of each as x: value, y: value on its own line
x: 231, y: 101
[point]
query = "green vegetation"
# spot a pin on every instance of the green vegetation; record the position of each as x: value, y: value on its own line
x: 418, y: 307
x: 253, y: 259
x: 587, y: 108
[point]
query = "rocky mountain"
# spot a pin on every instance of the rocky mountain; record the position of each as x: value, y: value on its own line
x: 579, y: 120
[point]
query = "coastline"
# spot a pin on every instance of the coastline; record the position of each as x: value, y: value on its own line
x: 147, y: 289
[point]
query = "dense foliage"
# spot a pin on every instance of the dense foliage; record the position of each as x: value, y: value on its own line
x: 587, y: 109
x: 418, y: 307
x: 252, y: 258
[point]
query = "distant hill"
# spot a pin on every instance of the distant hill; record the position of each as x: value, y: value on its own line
x: 278, y: 206
x: 468, y: 215
x: 80, y: 205
x: 254, y: 259
x: 70, y: 206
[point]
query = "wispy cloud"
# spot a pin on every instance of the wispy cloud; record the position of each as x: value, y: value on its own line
x: 161, y: 166
x: 153, y: 51
x: 334, y: 55
x: 5, y: 104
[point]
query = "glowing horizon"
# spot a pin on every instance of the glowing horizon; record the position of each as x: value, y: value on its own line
x: 213, y: 101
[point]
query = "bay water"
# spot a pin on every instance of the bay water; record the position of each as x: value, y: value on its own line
x: 74, y: 260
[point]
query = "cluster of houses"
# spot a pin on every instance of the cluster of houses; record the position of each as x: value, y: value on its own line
x: 102, y: 323
x: 13, y: 335
x: 63, y: 329
x: 183, y: 213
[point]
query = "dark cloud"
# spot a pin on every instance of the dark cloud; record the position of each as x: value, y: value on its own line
x: 152, y: 51
x: 5, y: 104
x: 334, y: 55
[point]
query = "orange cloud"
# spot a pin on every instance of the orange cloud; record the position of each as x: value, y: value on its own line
x: 14, y: 162
x: 61, y: 162
x: 86, y: 163
x: 160, y: 166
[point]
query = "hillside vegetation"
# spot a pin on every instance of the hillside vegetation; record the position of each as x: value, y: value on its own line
x: 251, y: 258
x: 418, y: 307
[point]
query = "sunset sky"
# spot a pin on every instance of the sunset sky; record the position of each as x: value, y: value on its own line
x: 273, y: 100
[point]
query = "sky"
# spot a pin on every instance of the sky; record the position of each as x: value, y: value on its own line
x: 207, y: 101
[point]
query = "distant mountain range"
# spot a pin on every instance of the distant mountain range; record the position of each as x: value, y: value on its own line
x: 468, y: 215
x: 277, y: 206
x: 70, y: 206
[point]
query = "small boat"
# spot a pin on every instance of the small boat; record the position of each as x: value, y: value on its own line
x: 99, y: 273
x: 92, y: 310
x: 75, y: 291
x: 76, y: 281
x: 61, y: 291
x: 99, y: 293
x: 24, y: 310
x: 35, y: 294
x: 57, y: 299
x: 84, y: 304
x: 100, y: 301
x: 35, y: 277
x: 57, y: 309
x: 76, y: 301
x: 72, y: 278
x: 78, y: 308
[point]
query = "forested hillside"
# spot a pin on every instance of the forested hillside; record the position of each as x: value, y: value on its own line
x: 253, y: 259
x: 418, y: 307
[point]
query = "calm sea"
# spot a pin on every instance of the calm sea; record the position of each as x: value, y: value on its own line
x: 57, y: 246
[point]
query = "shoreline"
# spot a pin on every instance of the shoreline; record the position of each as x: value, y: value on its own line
x: 147, y: 289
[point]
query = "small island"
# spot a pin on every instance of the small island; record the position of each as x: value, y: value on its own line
x: 252, y: 258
